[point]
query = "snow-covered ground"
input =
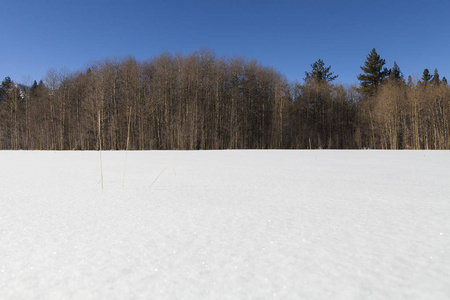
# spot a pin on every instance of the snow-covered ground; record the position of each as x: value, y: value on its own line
x: 225, y: 225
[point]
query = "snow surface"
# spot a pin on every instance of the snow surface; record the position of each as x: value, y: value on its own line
x: 225, y: 225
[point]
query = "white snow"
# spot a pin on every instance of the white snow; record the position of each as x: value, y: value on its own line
x: 225, y: 225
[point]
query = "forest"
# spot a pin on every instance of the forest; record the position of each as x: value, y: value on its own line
x: 203, y: 101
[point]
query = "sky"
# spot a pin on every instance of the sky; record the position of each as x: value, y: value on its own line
x: 286, y: 35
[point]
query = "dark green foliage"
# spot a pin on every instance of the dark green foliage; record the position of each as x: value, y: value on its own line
x: 435, y: 80
x: 36, y: 89
x: 410, y: 83
x: 395, y: 73
x: 374, y: 73
x: 7, y: 83
x: 426, y: 76
x: 5, y: 87
x: 320, y: 73
x: 444, y: 80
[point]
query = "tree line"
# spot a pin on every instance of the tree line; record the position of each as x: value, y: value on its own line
x: 202, y: 101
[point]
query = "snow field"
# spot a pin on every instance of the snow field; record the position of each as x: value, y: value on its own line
x: 225, y: 225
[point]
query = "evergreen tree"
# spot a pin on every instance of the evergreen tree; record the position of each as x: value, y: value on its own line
x: 395, y: 73
x: 410, y: 80
x: 435, y: 80
x: 374, y: 73
x: 319, y: 73
x: 7, y: 83
x: 5, y: 87
x: 33, y: 90
x: 444, y: 80
x: 426, y: 76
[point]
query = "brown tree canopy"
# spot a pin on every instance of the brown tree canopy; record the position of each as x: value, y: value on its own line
x: 202, y: 101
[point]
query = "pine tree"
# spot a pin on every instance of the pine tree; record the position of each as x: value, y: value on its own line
x: 435, y: 80
x: 374, y: 73
x: 426, y: 76
x: 410, y: 80
x: 444, y: 80
x: 319, y: 73
x: 395, y: 73
x: 33, y: 90
x: 7, y: 83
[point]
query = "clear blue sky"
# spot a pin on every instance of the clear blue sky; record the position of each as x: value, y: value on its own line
x: 288, y: 35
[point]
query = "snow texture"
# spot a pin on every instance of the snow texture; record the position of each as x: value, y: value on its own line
x: 225, y: 225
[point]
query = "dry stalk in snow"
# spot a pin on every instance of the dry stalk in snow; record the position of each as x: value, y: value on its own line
x: 157, y: 177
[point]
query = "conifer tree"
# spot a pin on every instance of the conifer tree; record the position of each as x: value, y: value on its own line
x: 435, y: 80
x: 426, y: 76
x: 5, y: 86
x: 409, y: 80
x: 374, y: 73
x: 319, y: 73
x: 7, y: 83
x: 395, y: 73
x: 444, y: 80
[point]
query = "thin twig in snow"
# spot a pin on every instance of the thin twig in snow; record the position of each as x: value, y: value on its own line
x: 100, y: 145
x: 126, y: 150
x: 158, y: 177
